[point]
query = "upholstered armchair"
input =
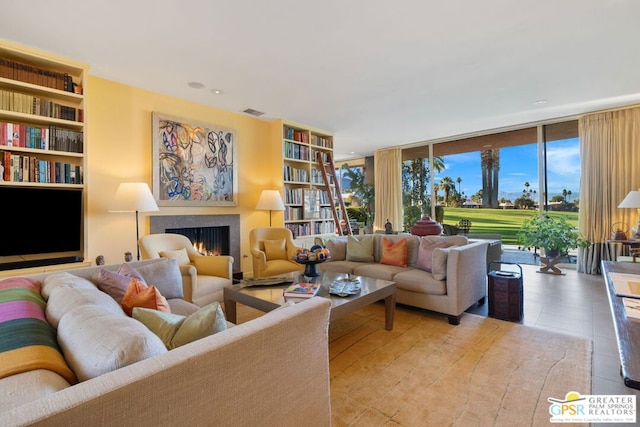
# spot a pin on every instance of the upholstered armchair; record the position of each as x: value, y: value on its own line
x: 203, y: 277
x: 272, y: 249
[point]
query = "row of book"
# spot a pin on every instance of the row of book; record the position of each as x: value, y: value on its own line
x: 295, y: 174
x: 321, y: 141
x: 296, y: 135
x: 28, y: 73
x: 41, y: 137
x: 296, y: 151
x: 306, y: 229
x: 293, y: 213
x: 293, y: 196
x: 18, y: 168
x: 30, y: 104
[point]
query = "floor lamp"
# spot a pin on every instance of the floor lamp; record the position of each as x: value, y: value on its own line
x: 133, y: 197
x: 270, y: 200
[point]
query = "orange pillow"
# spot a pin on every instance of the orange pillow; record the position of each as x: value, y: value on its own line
x: 140, y: 295
x: 394, y: 253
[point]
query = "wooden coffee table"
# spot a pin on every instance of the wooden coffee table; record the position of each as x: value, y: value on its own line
x: 269, y: 297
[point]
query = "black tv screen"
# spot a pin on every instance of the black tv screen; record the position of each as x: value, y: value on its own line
x: 40, y: 220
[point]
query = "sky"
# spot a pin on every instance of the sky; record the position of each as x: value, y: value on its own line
x: 519, y: 165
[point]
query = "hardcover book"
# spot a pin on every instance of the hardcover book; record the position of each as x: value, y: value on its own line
x: 301, y: 290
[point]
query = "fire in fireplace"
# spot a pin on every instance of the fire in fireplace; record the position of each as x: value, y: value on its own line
x: 206, y: 240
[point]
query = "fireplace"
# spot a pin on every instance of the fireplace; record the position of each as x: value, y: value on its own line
x: 220, y: 234
x: 206, y: 240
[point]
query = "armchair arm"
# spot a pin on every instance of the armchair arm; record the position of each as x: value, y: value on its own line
x: 189, y: 275
x: 220, y: 266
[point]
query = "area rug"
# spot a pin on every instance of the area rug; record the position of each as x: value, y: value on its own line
x: 484, y: 372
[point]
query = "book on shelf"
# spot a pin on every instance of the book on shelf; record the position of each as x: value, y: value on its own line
x: 302, y: 290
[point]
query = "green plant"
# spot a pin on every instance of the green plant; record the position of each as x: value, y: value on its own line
x: 553, y: 234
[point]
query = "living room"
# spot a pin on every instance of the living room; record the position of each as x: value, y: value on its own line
x: 119, y: 130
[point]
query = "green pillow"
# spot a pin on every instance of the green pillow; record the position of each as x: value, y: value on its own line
x: 175, y: 330
x: 360, y: 250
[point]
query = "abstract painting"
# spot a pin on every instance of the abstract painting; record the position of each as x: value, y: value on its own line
x: 194, y: 164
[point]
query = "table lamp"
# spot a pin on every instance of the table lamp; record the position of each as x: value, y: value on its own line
x: 133, y: 197
x: 632, y: 200
x: 270, y: 200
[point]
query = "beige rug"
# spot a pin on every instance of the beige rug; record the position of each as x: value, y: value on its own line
x: 484, y: 372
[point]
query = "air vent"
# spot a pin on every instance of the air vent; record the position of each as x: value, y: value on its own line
x: 253, y: 112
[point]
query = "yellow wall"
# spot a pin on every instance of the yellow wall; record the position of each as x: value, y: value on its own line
x: 119, y: 149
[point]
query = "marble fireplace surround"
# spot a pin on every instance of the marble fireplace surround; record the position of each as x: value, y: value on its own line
x: 160, y: 223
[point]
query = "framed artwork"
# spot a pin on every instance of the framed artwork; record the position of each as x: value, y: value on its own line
x: 194, y: 164
x: 311, y: 204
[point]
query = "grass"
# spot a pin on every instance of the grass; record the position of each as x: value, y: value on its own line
x: 505, y: 222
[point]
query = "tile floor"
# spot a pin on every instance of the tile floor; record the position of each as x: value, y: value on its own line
x: 575, y: 304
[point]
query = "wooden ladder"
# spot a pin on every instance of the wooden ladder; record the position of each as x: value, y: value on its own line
x: 327, y: 184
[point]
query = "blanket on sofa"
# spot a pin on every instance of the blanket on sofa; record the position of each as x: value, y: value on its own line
x: 27, y: 340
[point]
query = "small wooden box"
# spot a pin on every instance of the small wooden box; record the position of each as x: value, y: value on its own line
x: 505, y: 295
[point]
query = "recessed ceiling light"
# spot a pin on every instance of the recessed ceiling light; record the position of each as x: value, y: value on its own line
x: 196, y: 85
x: 540, y: 102
x: 217, y: 91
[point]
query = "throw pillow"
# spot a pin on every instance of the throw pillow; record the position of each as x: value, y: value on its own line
x: 360, y: 250
x: 394, y: 253
x: 115, y: 283
x: 439, y: 267
x: 338, y: 249
x: 275, y: 249
x: 179, y: 255
x: 165, y: 276
x: 175, y: 330
x: 425, y: 254
x: 140, y: 295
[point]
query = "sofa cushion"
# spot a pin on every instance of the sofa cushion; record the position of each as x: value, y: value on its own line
x: 377, y: 271
x: 275, y: 249
x: 63, y: 278
x: 338, y: 249
x: 394, y: 253
x: 140, y: 295
x: 165, y: 276
x: 439, y: 267
x: 175, y: 330
x: 95, y: 341
x: 360, y: 250
x: 64, y: 299
x: 416, y: 280
x: 425, y: 253
x: 29, y: 386
x: 179, y: 255
x: 346, y: 267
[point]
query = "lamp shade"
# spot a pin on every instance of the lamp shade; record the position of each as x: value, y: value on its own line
x: 133, y: 197
x: 632, y: 200
x: 270, y: 200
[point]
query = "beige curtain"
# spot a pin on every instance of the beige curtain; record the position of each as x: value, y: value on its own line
x: 388, y: 183
x: 610, y: 163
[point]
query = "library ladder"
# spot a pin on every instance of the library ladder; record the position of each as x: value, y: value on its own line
x: 324, y: 160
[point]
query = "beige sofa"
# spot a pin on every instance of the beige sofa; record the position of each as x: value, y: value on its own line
x: 457, y: 282
x: 244, y: 375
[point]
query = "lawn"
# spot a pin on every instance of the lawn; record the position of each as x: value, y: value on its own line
x: 505, y: 222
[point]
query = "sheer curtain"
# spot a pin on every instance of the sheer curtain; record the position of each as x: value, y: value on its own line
x: 388, y: 179
x: 610, y: 163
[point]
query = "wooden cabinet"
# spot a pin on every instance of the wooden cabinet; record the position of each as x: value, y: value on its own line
x: 307, y: 205
x: 41, y: 119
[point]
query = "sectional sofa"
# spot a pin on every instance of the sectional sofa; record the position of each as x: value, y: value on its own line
x: 110, y: 369
x: 453, y: 279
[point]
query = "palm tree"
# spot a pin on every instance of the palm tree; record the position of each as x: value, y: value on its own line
x: 459, y: 180
x: 446, y: 185
x: 490, y: 164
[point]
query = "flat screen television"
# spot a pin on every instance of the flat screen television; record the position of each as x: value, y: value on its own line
x: 42, y: 226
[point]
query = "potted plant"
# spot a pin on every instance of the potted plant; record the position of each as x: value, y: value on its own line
x: 553, y: 234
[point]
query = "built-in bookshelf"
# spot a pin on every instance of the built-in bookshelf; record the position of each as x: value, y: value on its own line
x: 43, y: 145
x: 307, y: 205
x: 41, y: 119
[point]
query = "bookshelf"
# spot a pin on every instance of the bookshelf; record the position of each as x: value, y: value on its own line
x: 42, y: 125
x: 307, y: 204
x: 41, y: 119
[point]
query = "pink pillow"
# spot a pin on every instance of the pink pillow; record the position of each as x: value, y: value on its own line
x: 115, y: 283
x: 425, y: 254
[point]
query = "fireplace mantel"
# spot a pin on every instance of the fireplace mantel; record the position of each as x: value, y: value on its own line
x: 160, y: 223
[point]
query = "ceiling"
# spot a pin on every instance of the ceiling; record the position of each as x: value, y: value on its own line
x: 375, y: 73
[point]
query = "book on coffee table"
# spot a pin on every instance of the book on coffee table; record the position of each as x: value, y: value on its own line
x: 302, y: 290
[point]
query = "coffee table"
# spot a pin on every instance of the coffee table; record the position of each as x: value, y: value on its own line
x: 269, y: 297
